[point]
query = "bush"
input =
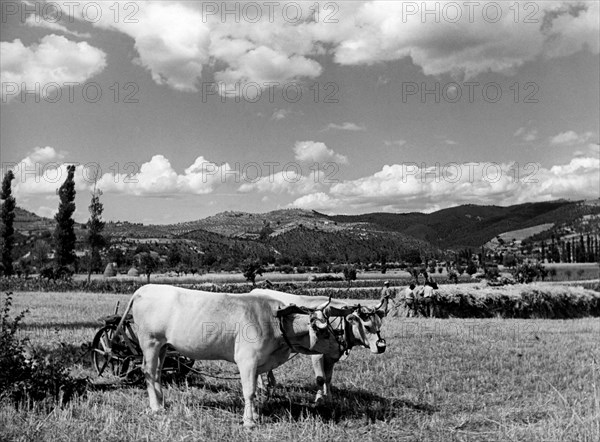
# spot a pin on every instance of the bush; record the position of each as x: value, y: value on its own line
x: 453, y: 276
x: 491, y: 273
x: 349, y: 274
x: 526, y: 273
x: 29, y: 380
x: 471, y: 268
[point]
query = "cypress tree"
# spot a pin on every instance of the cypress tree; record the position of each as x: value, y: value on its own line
x: 8, y: 218
x: 95, y: 226
x: 64, y: 234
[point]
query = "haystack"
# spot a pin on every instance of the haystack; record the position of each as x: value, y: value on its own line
x: 110, y: 270
x: 133, y: 272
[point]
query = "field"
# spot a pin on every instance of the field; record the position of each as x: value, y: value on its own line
x: 440, y: 380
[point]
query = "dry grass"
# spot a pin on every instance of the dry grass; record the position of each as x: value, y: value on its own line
x: 440, y: 380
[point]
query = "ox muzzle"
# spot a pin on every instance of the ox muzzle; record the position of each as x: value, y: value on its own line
x: 380, y: 344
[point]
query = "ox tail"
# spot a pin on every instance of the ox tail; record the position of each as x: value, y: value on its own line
x: 119, y: 329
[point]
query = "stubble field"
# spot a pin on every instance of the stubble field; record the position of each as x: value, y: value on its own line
x: 440, y: 380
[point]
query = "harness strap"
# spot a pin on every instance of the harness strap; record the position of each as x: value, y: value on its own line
x: 339, y: 334
x: 285, y: 338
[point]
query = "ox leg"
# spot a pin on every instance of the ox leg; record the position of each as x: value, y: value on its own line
x: 158, y: 382
x: 151, y: 350
x: 323, y: 367
x: 248, y: 377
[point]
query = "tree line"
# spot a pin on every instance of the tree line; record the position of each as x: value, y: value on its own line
x: 63, y: 238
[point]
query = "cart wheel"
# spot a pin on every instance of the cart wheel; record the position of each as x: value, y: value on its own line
x: 102, y: 358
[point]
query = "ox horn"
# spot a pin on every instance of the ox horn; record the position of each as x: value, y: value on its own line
x: 318, y: 320
x: 323, y: 306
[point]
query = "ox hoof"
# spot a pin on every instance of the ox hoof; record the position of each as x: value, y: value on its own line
x: 249, y: 425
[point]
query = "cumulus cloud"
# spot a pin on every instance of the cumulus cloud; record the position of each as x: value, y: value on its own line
x: 406, y: 187
x: 344, y: 126
x: 317, y: 152
x: 570, y: 138
x: 46, y: 212
x: 157, y: 177
x: 265, y: 65
x: 44, y: 169
x: 386, y: 31
x: 290, y: 181
x: 175, y: 41
x: 55, y: 59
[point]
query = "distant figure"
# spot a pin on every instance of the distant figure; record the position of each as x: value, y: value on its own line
x: 428, y: 300
x: 409, y: 300
x: 387, y: 292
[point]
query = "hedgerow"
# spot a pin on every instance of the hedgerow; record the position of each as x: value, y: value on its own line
x: 29, y: 379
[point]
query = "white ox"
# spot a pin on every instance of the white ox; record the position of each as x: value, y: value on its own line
x: 240, y: 328
x: 360, y: 321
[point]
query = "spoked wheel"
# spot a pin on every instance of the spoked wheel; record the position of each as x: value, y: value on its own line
x: 103, y: 358
x: 176, y: 366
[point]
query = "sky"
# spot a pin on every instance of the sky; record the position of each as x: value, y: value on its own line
x: 179, y: 110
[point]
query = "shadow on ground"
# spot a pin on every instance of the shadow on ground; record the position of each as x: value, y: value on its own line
x: 295, y: 401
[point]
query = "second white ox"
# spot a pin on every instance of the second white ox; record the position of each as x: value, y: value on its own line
x: 356, y: 323
x: 240, y: 328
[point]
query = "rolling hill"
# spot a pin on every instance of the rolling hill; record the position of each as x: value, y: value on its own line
x: 296, y: 233
x: 471, y: 225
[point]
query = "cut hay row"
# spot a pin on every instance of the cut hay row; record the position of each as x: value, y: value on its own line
x: 526, y: 301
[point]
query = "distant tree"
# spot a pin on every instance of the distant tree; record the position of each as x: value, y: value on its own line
x: 491, y: 273
x: 117, y: 256
x: 509, y: 260
x: 40, y: 252
x: 552, y: 273
x: 349, y: 274
x: 471, y: 268
x: 526, y: 273
x: 412, y: 257
x: 251, y: 270
x: 148, y: 264
x: 568, y: 273
x: 384, y: 266
x: 95, y: 226
x: 453, y: 276
x: 580, y: 273
x: 64, y: 233
x: 174, y: 257
x: 8, y: 217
